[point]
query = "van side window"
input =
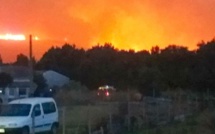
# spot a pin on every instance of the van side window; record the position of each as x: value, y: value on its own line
x: 48, y: 107
x: 37, y: 110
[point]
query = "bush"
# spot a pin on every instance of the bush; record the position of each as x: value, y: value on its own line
x: 72, y: 93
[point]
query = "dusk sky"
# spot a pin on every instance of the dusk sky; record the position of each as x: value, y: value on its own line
x: 127, y: 24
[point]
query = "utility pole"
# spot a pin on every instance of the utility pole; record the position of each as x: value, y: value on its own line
x: 30, y: 63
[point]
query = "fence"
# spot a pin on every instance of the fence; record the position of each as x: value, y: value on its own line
x: 151, y: 116
x: 174, y: 114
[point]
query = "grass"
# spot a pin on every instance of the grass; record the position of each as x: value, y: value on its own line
x: 201, y: 123
x: 174, y: 128
x: 78, y: 118
x: 83, y: 114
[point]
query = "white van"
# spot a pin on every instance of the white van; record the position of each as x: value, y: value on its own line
x: 19, y: 116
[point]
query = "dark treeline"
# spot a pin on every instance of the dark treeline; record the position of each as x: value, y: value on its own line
x: 160, y: 69
x: 174, y: 67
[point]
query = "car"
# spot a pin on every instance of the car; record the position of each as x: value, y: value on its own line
x: 29, y: 115
x: 105, y: 91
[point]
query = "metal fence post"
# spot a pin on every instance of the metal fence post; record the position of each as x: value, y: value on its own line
x: 64, y: 122
x: 146, y: 116
x: 110, y: 118
x: 129, y: 116
x: 102, y: 130
x: 89, y: 120
x: 196, y: 103
x: 170, y: 107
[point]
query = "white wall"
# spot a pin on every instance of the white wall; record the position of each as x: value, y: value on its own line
x: 55, y: 79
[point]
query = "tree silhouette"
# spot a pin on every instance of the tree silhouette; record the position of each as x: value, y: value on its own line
x: 41, y: 84
x: 172, y: 67
x: 5, y: 79
x: 21, y: 60
x: 204, y: 76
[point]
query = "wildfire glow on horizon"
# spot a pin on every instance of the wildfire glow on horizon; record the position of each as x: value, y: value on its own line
x: 16, y: 37
x: 126, y: 24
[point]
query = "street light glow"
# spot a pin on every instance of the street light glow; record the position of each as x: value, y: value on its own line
x: 36, y: 38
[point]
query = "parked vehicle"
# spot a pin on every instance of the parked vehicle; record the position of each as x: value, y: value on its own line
x: 105, y: 91
x: 28, y: 115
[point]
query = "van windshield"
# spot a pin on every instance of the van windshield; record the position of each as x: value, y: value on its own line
x: 15, y: 110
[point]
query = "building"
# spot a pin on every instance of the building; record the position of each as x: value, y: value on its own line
x: 21, y: 85
x: 55, y: 79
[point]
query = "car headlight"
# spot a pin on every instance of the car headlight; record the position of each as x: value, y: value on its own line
x: 2, y: 130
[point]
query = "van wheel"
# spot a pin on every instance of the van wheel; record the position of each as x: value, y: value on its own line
x: 53, y: 129
x: 25, y: 130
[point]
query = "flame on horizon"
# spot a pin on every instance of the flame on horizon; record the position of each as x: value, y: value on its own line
x: 17, y: 37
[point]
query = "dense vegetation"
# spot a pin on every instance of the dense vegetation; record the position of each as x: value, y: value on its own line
x: 173, y: 67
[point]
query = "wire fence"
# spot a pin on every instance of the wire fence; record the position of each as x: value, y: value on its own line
x: 177, y: 114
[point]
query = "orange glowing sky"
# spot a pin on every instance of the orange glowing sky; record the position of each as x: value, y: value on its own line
x: 127, y: 24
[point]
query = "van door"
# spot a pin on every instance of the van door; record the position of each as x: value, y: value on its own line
x: 38, y: 118
x: 50, y: 114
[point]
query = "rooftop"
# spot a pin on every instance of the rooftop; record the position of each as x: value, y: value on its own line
x: 16, y: 71
x: 33, y: 100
